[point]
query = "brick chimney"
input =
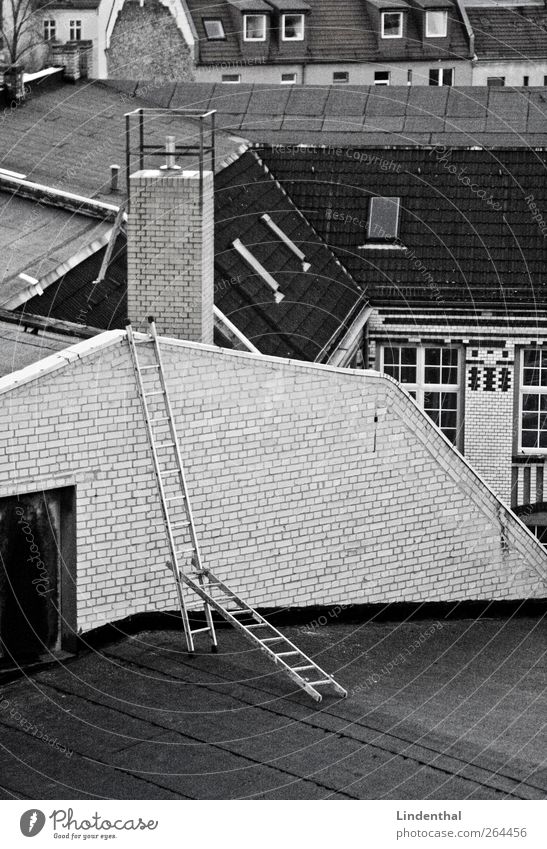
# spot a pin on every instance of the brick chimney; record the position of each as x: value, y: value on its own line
x: 170, y: 252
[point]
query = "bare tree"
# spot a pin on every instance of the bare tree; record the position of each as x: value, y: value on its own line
x: 19, y: 28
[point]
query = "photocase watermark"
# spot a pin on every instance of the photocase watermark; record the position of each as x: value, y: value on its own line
x: 444, y: 155
x: 536, y: 214
x: 402, y: 658
x: 6, y: 708
x: 43, y: 580
x: 362, y: 157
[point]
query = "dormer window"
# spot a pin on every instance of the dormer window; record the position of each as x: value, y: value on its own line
x: 254, y: 27
x: 436, y: 23
x: 292, y: 28
x: 392, y: 24
x: 214, y: 30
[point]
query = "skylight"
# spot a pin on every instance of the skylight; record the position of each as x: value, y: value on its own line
x: 257, y: 266
x: 383, y: 219
x: 288, y: 241
x: 214, y: 30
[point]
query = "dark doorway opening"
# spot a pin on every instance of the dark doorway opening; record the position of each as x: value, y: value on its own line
x: 35, y: 578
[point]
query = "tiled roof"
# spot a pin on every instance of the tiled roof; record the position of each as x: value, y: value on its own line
x: 67, y: 137
x: 316, y: 302
x: 473, y: 222
x: 341, y: 31
x: 368, y: 115
x: 518, y: 33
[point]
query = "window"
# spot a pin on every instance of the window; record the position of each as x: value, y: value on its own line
x: 383, y: 218
x: 254, y: 27
x: 526, y: 81
x: 409, y: 77
x: 392, y: 24
x: 50, y: 30
x: 441, y: 76
x: 432, y: 376
x: 540, y: 531
x: 436, y: 23
x: 340, y: 77
x: 214, y: 30
x: 545, y: 81
x: 288, y: 79
x: 292, y: 28
x: 381, y: 78
x: 533, y: 400
x: 230, y: 78
x: 75, y: 30
x: 495, y: 81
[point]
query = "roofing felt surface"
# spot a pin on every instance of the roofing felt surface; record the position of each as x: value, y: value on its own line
x: 316, y: 301
x: 461, y: 717
x: 20, y: 347
x: 472, y: 221
x: 37, y: 239
x: 336, y: 32
x: 68, y: 137
x: 517, y: 33
x: 366, y: 115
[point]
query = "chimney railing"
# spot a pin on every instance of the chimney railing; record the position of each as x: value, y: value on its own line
x: 198, y: 141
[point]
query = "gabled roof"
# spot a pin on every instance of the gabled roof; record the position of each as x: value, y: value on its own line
x: 518, y: 33
x: 473, y: 223
x: 319, y: 296
x: 23, y: 343
x: 341, y: 31
x: 366, y: 115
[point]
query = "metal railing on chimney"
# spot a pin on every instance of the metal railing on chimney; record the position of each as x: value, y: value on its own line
x: 198, y: 140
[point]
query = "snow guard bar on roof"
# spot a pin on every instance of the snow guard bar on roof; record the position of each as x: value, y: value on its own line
x: 194, y: 141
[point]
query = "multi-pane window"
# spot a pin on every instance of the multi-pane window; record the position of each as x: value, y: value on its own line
x: 533, y: 406
x: 75, y: 30
x: 50, y: 29
x: 383, y: 219
x: 432, y: 376
x: 214, y: 29
x: 339, y: 77
x: 441, y: 76
x: 495, y: 81
x: 436, y: 23
x: 392, y: 24
x: 254, y: 27
x: 292, y: 28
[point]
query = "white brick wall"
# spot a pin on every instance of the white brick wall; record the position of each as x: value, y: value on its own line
x: 300, y: 497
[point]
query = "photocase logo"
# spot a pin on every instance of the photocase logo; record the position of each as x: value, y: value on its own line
x: 32, y: 822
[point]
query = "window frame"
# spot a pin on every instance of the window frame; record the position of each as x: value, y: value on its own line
x: 49, y: 29
x: 75, y: 29
x: 262, y: 38
x: 387, y: 79
x: 401, y: 24
x: 230, y: 82
x: 292, y: 81
x: 419, y: 389
x: 345, y: 74
x: 286, y: 15
x: 491, y: 84
x: 383, y: 240
x: 444, y: 13
x: 218, y: 21
x: 441, y: 72
x: 529, y: 390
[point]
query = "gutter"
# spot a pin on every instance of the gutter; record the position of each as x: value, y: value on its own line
x: 468, y: 27
x: 346, y: 349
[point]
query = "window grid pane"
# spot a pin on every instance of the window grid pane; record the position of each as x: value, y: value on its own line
x: 533, y: 420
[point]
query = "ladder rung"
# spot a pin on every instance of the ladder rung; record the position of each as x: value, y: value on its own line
x: 145, y: 368
x: 171, y: 472
x: 176, y: 498
x: 258, y: 625
x: 200, y: 630
x: 160, y: 419
x: 322, y: 681
x: 287, y: 653
x: 158, y: 392
x: 163, y: 444
x: 301, y: 668
x: 272, y: 639
x: 180, y: 524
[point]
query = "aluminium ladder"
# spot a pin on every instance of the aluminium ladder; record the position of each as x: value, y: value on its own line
x: 186, y: 559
